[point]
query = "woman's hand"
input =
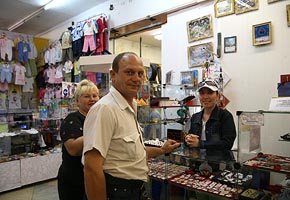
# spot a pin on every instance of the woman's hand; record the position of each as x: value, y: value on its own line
x: 192, y: 140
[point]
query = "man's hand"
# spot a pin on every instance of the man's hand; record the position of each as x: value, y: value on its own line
x: 169, y: 146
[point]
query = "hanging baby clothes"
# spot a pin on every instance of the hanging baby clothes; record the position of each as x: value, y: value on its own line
x: 89, y: 42
x: 58, y: 74
x: 102, y: 35
x: 27, y: 93
x: 66, y: 45
x: 58, y: 52
x: 3, y: 97
x: 46, y: 56
x: 77, y: 39
x: 14, y: 100
x: 6, y: 73
x: 51, y: 75
x: 33, y: 51
x: 67, y: 68
x: 23, y: 50
x: 76, y: 65
x: 52, y: 55
x: 32, y: 55
x: 6, y: 46
x: 19, y: 74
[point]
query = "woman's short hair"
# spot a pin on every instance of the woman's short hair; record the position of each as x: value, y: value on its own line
x: 85, y: 86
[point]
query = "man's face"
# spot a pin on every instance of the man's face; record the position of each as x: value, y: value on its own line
x: 129, y: 77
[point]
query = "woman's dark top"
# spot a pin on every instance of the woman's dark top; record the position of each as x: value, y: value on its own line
x: 220, y: 129
x: 70, y: 174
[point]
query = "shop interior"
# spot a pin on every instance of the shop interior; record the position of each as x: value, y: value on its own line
x: 243, y: 48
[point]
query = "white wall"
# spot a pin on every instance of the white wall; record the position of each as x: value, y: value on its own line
x: 124, y: 12
x: 254, y: 70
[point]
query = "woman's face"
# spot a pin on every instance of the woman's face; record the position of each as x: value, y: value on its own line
x: 208, y: 98
x: 87, y: 100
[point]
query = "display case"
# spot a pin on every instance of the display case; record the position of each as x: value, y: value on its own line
x: 164, y: 110
x: 188, y: 172
x: 263, y: 147
x: 258, y: 169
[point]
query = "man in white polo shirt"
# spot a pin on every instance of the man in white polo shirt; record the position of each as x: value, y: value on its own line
x: 114, y: 155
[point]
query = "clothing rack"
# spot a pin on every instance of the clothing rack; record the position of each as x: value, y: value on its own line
x: 94, y: 16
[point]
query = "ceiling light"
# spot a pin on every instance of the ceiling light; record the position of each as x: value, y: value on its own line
x: 29, y: 17
x: 50, y: 5
x: 158, y: 37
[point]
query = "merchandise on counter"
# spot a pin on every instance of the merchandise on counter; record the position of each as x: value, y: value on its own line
x: 194, y: 181
x: 154, y: 143
x: 242, y: 178
x: 270, y: 162
x: 161, y: 170
x: 251, y: 194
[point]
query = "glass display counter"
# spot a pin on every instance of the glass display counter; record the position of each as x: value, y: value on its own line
x: 264, y: 147
x: 191, y: 170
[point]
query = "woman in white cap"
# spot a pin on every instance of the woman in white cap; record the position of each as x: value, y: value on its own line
x: 212, y: 127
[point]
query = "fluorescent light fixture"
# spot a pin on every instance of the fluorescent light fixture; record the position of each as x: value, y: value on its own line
x: 158, y: 37
x: 29, y: 17
x: 16, y: 25
x: 50, y: 5
x: 157, y: 34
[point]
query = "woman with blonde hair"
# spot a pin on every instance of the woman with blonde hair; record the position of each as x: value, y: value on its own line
x: 70, y: 174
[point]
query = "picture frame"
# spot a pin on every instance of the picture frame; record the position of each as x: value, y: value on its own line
x: 199, y: 54
x: 168, y: 79
x: 199, y: 28
x: 224, y: 7
x: 262, y: 33
x: 230, y: 44
x: 288, y: 14
x: 186, y: 77
x: 243, y: 6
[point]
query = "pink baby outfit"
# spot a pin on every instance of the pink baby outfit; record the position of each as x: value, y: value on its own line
x: 89, y: 42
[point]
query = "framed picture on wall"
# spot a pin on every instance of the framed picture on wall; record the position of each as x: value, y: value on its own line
x: 199, y: 28
x: 262, y: 33
x: 199, y: 54
x: 224, y: 8
x: 243, y: 6
x: 230, y: 44
x: 169, y: 77
x: 288, y: 14
x: 186, y: 77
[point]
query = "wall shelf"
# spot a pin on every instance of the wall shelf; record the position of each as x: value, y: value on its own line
x: 101, y: 63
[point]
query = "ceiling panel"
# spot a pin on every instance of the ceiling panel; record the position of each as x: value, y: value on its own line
x: 11, y: 11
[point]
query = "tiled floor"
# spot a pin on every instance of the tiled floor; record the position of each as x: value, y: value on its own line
x: 48, y: 191
x: 40, y: 191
